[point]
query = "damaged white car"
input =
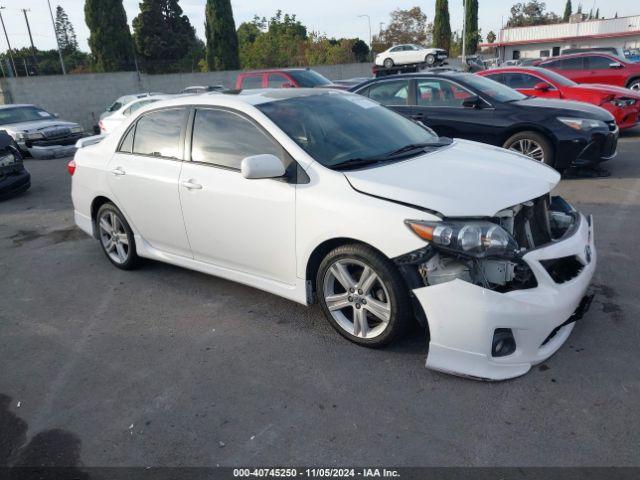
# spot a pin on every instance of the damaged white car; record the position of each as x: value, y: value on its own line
x: 326, y: 196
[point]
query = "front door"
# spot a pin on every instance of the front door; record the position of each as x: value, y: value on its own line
x: 243, y: 225
x: 144, y: 174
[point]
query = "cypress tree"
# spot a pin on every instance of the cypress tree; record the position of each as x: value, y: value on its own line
x: 65, y: 33
x: 222, y: 39
x: 163, y: 36
x: 471, y: 26
x: 441, y: 26
x: 110, y: 39
x: 568, y: 10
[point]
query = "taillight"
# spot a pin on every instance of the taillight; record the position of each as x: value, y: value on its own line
x: 71, y: 167
x: 101, y: 125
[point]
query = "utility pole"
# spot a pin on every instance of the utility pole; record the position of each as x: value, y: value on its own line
x: 464, y: 35
x: 53, y: 22
x: 370, y: 44
x: 33, y: 47
x: 13, y: 63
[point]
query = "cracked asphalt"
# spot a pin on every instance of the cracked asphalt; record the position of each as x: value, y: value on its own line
x: 168, y: 367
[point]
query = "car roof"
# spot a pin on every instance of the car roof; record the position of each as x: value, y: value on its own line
x: 14, y: 105
x: 580, y: 54
x: 267, y: 70
x: 514, y: 68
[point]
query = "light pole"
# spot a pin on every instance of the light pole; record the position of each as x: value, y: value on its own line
x: 53, y: 22
x: 370, y: 44
x: 13, y: 63
x: 464, y: 35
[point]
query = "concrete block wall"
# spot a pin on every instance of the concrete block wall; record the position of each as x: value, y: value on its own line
x: 81, y: 98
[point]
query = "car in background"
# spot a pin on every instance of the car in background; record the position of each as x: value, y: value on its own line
x: 321, y: 195
x: 409, y: 54
x: 350, y: 82
x: 560, y: 133
x: 38, y: 133
x: 14, y: 178
x: 123, y: 100
x: 200, y: 89
x: 520, y: 62
x: 108, y: 124
x: 282, y: 78
x: 596, y: 68
x: 624, y: 104
x: 617, y: 51
x: 632, y: 55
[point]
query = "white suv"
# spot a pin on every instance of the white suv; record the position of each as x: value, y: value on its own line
x: 320, y: 195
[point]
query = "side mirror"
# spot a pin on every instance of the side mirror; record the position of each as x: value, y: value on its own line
x: 472, y: 101
x: 262, y: 166
x: 541, y: 87
x: 615, y: 65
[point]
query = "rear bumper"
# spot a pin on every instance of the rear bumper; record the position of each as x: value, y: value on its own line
x: 463, y: 317
x: 14, y: 184
x: 45, y: 149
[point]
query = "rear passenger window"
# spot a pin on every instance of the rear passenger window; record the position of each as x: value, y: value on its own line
x: 254, y: 81
x: 158, y: 133
x: 499, y: 77
x: 390, y: 92
x: 224, y: 138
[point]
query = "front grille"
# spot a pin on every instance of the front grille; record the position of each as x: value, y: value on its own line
x: 531, y: 226
x: 563, y: 269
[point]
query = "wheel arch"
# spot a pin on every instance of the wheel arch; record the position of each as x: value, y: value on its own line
x: 631, y: 80
x: 96, y: 203
x: 528, y: 127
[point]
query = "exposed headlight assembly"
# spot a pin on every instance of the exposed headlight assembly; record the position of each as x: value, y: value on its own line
x: 582, y: 124
x: 8, y: 159
x: 478, y: 239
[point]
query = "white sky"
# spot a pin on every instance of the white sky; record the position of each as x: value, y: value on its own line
x: 333, y: 17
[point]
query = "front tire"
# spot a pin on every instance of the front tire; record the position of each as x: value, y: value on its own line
x: 388, y: 63
x: 116, y: 238
x: 634, y: 85
x: 430, y: 59
x: 363, y: 295
x: 533, y: 145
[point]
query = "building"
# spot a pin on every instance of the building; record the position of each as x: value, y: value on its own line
x: 550, y: 40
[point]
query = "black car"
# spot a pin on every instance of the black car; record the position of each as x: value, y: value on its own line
x: 559, y: 133
x: 14, y: 179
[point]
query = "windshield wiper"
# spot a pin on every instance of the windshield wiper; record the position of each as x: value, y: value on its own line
x: 442, y: 141
x: 354, y: 163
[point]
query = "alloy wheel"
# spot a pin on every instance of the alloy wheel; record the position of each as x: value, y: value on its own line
x: 357, y: 298
x: 635, y: 86
x: 529, y: 148
x: 113, y: 237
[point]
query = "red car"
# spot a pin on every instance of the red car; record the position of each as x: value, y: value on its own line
x: 282, y: 78
x: 624, y: 104
x: 596, y: 67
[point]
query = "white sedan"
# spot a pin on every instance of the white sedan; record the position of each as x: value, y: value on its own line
x: 326, y: 196
x: 109, y: 123
x: 409, y: 54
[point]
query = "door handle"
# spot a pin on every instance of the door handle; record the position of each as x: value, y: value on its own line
x: 118, y: 171
x: 191, y: 185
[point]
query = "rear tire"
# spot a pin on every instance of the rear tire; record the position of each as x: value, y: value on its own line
x: 116, y: 237
x: 533, y: 145
x: 388, y: 63
x: 363, y: 295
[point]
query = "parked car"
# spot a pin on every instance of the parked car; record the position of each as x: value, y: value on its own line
x: 624, y: 104
x: 14, y: 178
x: 123, y: 100
x: 200, y: 89
x: 282, y: 78
x: 39, y: 133
x: 521, y: 62
x: 408, y: 54
x: 559, y: 133
x: 617, y: 51
x: 632, y: 55
x: 323, y: 195
x: 350, y: 82
x: 108, y: 124
x: 596, y: 68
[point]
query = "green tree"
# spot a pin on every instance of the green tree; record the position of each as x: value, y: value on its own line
x: 164, y: 38
x: 598, y: 12
x: 360, y: 50
x: 472, y: 34
x: 491, y: 36
x: 568, y: 10
x: 65, y: 33
x: 442, y: 26
x: 531, y: 13
x: 405, y: 26
x: 222, y: 39
x: 110, y: 39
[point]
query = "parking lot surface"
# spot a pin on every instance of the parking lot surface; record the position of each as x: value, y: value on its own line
x: 165, y: 366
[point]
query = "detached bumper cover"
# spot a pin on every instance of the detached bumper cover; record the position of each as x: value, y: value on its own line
x: 14, y: 183
x: 463, y: 317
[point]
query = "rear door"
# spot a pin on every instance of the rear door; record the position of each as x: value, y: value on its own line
x: 390, y: 93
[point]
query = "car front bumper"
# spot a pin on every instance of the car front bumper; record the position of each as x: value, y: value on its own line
x: 462, y: 317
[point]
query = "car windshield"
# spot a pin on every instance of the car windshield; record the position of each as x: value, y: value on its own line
x: 559, y: 79
x: 309, y: 78
x: 493, y: 89
x: 337, y: 128
x: 22, y: 114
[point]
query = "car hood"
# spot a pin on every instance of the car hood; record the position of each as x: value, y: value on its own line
x: 36, y: 125
x: 465, y: 179
x: 608, y: 90
x: 569, y: 107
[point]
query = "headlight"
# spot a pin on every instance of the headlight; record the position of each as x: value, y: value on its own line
x: 30, y: 136
x: 623, y: 102
x: 473, y: 238
x: 7, y: 159
x: 582, y: 124
x: 77, y: 129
